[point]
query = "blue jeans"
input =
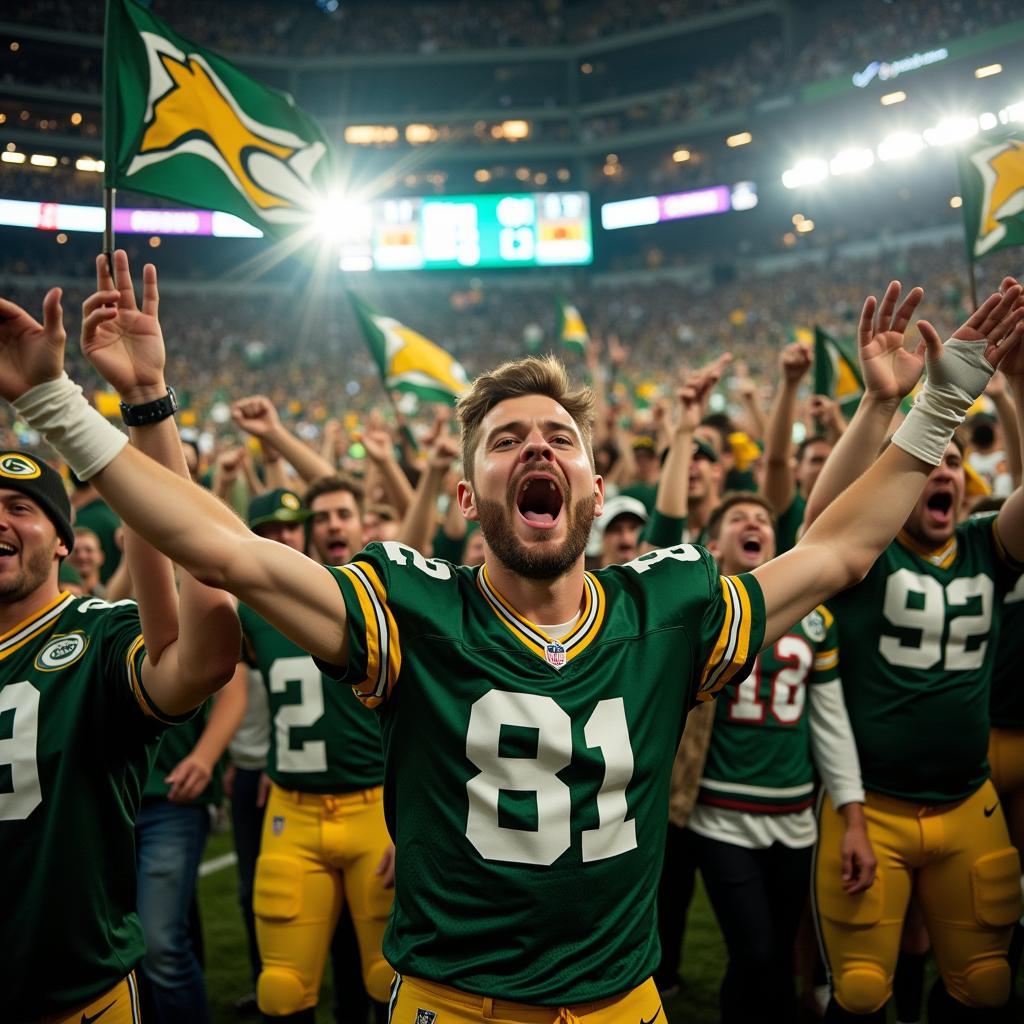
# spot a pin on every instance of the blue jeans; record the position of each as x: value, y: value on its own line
x: 169, y: 841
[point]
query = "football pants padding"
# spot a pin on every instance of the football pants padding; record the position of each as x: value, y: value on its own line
x: 958, y: 862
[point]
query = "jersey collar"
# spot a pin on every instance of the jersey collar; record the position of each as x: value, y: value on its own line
x: 35, y: 624
x: 555, y: 651
x: 941, y: 557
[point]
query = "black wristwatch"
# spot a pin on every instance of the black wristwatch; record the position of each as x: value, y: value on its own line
x: 150, y: 412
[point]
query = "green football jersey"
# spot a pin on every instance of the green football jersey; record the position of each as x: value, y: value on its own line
x: 1007, y: 701
x: 759, y: 759
x: 76, y: 737
x: 99, y: 517
x: 789, y: 522
x: 321, y: 739
x: 918, y: 638
x: 527, y: 777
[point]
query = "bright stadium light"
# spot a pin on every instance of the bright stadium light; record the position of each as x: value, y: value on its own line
x: 900, y: 145
x: 891, y: 98
x: 87, y: 163
x: 987, y: 121
x: 951, y: 129
x: 805, y: 172
x: 1014, y: 112
x: 339, y: 218
x: 43, y: 160
x: 988, y: 71
x: 12, y: 157
x: 851, y: 161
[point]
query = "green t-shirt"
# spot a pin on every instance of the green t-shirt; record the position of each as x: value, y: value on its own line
x: 759, y: 759
x: 788, y: 524
x: 175, y: 745
x: 322, y: 740
x: 918, y: 639
x: 1007, y: 702
x: 526, y: 780
x: 99, y: 517
x: 76, y: 738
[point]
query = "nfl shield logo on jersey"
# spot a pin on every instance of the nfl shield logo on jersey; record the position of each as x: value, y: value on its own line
x: 555, y: 653
x: 278, y: 824
x: 425, y: 1017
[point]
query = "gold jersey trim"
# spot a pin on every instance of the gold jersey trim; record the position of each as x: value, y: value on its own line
x: 732, y: 648
x: 28, y: 629
x: 531, y: 636
x: 383, y: 653
x: 941, y: 557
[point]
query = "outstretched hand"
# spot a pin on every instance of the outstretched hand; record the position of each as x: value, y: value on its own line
x: 30, y: 353
x: 124, y: 343
x: 890, y: 370
x: 999, y: 321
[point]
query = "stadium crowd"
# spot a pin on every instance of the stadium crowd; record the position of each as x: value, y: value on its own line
x: 707, y: 432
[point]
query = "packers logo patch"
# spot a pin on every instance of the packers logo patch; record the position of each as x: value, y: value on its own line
x: 1001, y: 168
x: 814, y: 626
x: 425, y: 1016
x: 61, y: 651
x: 289, y: 500
x: 16, y: 466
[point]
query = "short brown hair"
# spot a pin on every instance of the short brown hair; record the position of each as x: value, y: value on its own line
x: 534, y: 375
x: 330, y: 484
x: 731, y: 500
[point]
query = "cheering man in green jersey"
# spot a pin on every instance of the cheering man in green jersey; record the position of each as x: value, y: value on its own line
x: 86, y: 687
x: 530, y: 710
x: 918, y: 639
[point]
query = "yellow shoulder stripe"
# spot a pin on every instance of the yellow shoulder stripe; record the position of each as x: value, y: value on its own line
x: 383, y: 653
x: 732, y: 648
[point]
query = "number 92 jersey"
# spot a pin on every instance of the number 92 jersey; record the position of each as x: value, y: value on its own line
x: 526, y: 777
x: 917, y: 641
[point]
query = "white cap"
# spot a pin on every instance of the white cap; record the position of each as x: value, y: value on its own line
x: 620, y: 505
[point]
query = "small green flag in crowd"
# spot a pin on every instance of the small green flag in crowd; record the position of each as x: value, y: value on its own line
x: 572, y: 331
x: 992, y: 188
x: 836, y: 373
x: 183, y: 123
x: 407, y: 361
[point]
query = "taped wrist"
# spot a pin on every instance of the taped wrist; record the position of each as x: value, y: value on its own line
x: 954, y: 383
x: 61, y: 413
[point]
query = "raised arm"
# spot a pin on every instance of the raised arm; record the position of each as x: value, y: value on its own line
x: 191, y: 643
x: 779, y: 485
x: 842, y: 544
x: 420, y: 520
x: 1009, y: 422
x: 256, y: 415
x: 186, y: 523
x: 890, y: 373
x: 380, y: 450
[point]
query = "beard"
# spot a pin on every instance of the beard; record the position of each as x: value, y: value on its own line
x: 33, y: 575
x: 547, y: 563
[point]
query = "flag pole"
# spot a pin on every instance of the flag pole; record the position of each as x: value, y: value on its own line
x: 109, y: 136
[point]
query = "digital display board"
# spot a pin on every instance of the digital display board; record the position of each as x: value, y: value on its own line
x: 631, y: 213
x: 541, y: 229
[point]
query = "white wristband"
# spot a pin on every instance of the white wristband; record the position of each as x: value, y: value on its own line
x: 61, y: 413
x: 954, y: 383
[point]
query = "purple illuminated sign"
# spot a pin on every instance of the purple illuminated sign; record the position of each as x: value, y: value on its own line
x: 699, y: 203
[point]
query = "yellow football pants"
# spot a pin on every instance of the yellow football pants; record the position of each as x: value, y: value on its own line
x: 415, y: 1001
x: 958, y: 861
x: 118, y: 1005
x: 316, y: 852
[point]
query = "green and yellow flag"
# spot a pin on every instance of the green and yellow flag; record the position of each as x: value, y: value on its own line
x: 572, y: 331
x: 182, y: 123
x: 836, y: 373
x: 407, y: 361
x: 992, y: 187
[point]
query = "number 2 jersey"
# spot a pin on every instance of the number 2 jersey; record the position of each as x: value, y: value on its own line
x: 918, y: 639
x: 321, y: 739
x: 77, y: 733
x: 526, y: 779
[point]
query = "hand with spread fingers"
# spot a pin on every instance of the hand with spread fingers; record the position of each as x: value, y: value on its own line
x: 890, y: 370
x: 125, y: 343
x: 1002, y: 325
x: 31, y: 353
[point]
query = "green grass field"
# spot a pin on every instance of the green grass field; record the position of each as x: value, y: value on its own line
x: 227, y: 970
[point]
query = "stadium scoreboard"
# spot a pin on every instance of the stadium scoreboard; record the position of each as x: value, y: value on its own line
x: 541, y: 229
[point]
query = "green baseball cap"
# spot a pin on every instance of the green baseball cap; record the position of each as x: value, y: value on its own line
x: 277, y: 506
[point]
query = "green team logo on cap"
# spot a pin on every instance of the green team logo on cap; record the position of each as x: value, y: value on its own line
x: 19, y: 467
x: 62, y: 651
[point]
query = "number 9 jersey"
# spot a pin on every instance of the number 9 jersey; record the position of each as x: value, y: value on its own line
x: 527, y: 776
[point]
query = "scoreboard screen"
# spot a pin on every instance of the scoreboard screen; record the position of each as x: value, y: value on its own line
x: 539, y: 229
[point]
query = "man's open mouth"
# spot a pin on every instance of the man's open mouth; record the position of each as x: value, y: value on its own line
x: 752, y: 545
x: 940, y: 505
x: 539, y: 500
